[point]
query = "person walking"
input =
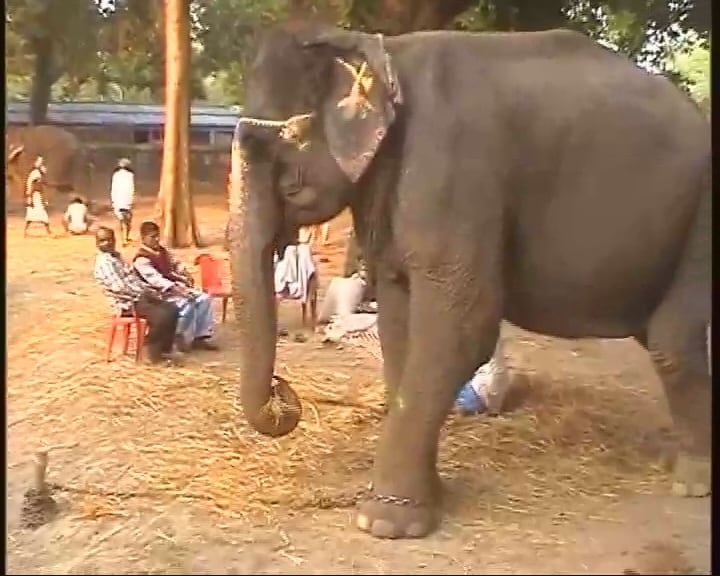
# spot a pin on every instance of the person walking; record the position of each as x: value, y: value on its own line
x: 35, y: 201
x: 122, y: 197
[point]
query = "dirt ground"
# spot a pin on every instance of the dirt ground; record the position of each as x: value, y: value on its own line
x: 56, y: 330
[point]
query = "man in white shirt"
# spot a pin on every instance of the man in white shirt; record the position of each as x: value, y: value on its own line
x: 77, y: 219
x: 122, y: 197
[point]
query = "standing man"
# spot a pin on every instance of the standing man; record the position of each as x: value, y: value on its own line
x: 122, y: 197
x: 35, y: 201
x: 128, y: 294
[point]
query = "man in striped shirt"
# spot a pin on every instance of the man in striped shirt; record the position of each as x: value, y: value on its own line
x: 129, y: 295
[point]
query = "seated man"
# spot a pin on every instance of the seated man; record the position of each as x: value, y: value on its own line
x: 77, y: 219
x: 157, y: 267
x: 345, y: 296
x: 128, y: 294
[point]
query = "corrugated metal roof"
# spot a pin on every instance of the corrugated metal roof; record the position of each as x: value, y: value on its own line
x: 121, y: 114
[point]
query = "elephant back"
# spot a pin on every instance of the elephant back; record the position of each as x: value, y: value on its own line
x: 59, y: 148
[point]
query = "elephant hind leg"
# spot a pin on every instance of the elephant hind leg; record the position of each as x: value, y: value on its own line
x: 679, y: 356
x: 678, y: 343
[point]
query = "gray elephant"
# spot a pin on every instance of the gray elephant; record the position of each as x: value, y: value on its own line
x: 66, y: 161
x: 536, y: 177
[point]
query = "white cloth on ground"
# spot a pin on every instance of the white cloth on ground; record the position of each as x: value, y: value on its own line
x: 342, y: 297
x: 293, y: 272
x: 359, y: 329
x: 348, y: 325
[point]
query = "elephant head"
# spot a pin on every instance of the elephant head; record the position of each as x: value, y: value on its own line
x: 319, y: 103
x: 67, y: 168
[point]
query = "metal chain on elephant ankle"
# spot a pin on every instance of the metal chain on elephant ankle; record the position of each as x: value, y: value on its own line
x: 403, y: 501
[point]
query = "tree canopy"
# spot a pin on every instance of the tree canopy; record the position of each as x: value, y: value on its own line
x: 692, y: 65
x: 50, y: 52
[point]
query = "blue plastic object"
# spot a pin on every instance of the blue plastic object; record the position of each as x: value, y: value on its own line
x: 468, y: 402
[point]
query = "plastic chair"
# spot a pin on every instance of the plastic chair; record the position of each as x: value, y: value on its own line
x: 211, y: 280
x: 124, y: 324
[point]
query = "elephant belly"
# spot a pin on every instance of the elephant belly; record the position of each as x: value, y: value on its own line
x: 567, y: 290
x: 532, y: 311
x: 593, y: 250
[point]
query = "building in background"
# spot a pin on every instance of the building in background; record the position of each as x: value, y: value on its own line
x: 113, y: 129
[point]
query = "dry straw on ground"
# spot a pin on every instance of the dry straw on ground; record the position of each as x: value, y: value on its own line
x: 144, y: 439
x: 133, y: 437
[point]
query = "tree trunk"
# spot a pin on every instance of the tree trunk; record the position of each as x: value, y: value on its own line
x: 178, y: 225
x: 44, y: 76
x: 185, y: 182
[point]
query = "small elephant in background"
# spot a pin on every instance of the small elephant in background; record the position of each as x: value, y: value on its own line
x: 65, y: 158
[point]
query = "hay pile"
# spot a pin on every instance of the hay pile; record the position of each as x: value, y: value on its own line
x: 139, y: 440
x: 135, y: 437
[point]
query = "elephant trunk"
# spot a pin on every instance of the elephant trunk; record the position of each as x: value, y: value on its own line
x: 268, y: 402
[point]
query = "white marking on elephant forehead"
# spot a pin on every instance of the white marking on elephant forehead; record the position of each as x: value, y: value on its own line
x: 399, y: 402
x: 360, y: 75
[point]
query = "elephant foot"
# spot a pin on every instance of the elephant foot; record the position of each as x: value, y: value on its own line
x: 388, y: 516
x: 394, y: 517
x: 691, y: 477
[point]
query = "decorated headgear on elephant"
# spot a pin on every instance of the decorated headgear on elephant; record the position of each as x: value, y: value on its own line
x: 356, y: 92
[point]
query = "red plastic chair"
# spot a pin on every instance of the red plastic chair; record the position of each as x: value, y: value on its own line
x: 211, y: 280
x: 124, y: 325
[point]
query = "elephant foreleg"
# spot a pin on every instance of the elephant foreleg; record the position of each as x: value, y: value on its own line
x: 450, y: 334
x: 393, y: 299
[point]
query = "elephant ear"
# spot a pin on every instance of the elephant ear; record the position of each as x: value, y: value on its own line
x: 363, y: 95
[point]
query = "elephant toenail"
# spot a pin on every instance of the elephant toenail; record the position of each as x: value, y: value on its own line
x: 363, y: 522
x: 699, y: 490
x: 417, y: 530
x: 384, y: 529
x: 679, y: 489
